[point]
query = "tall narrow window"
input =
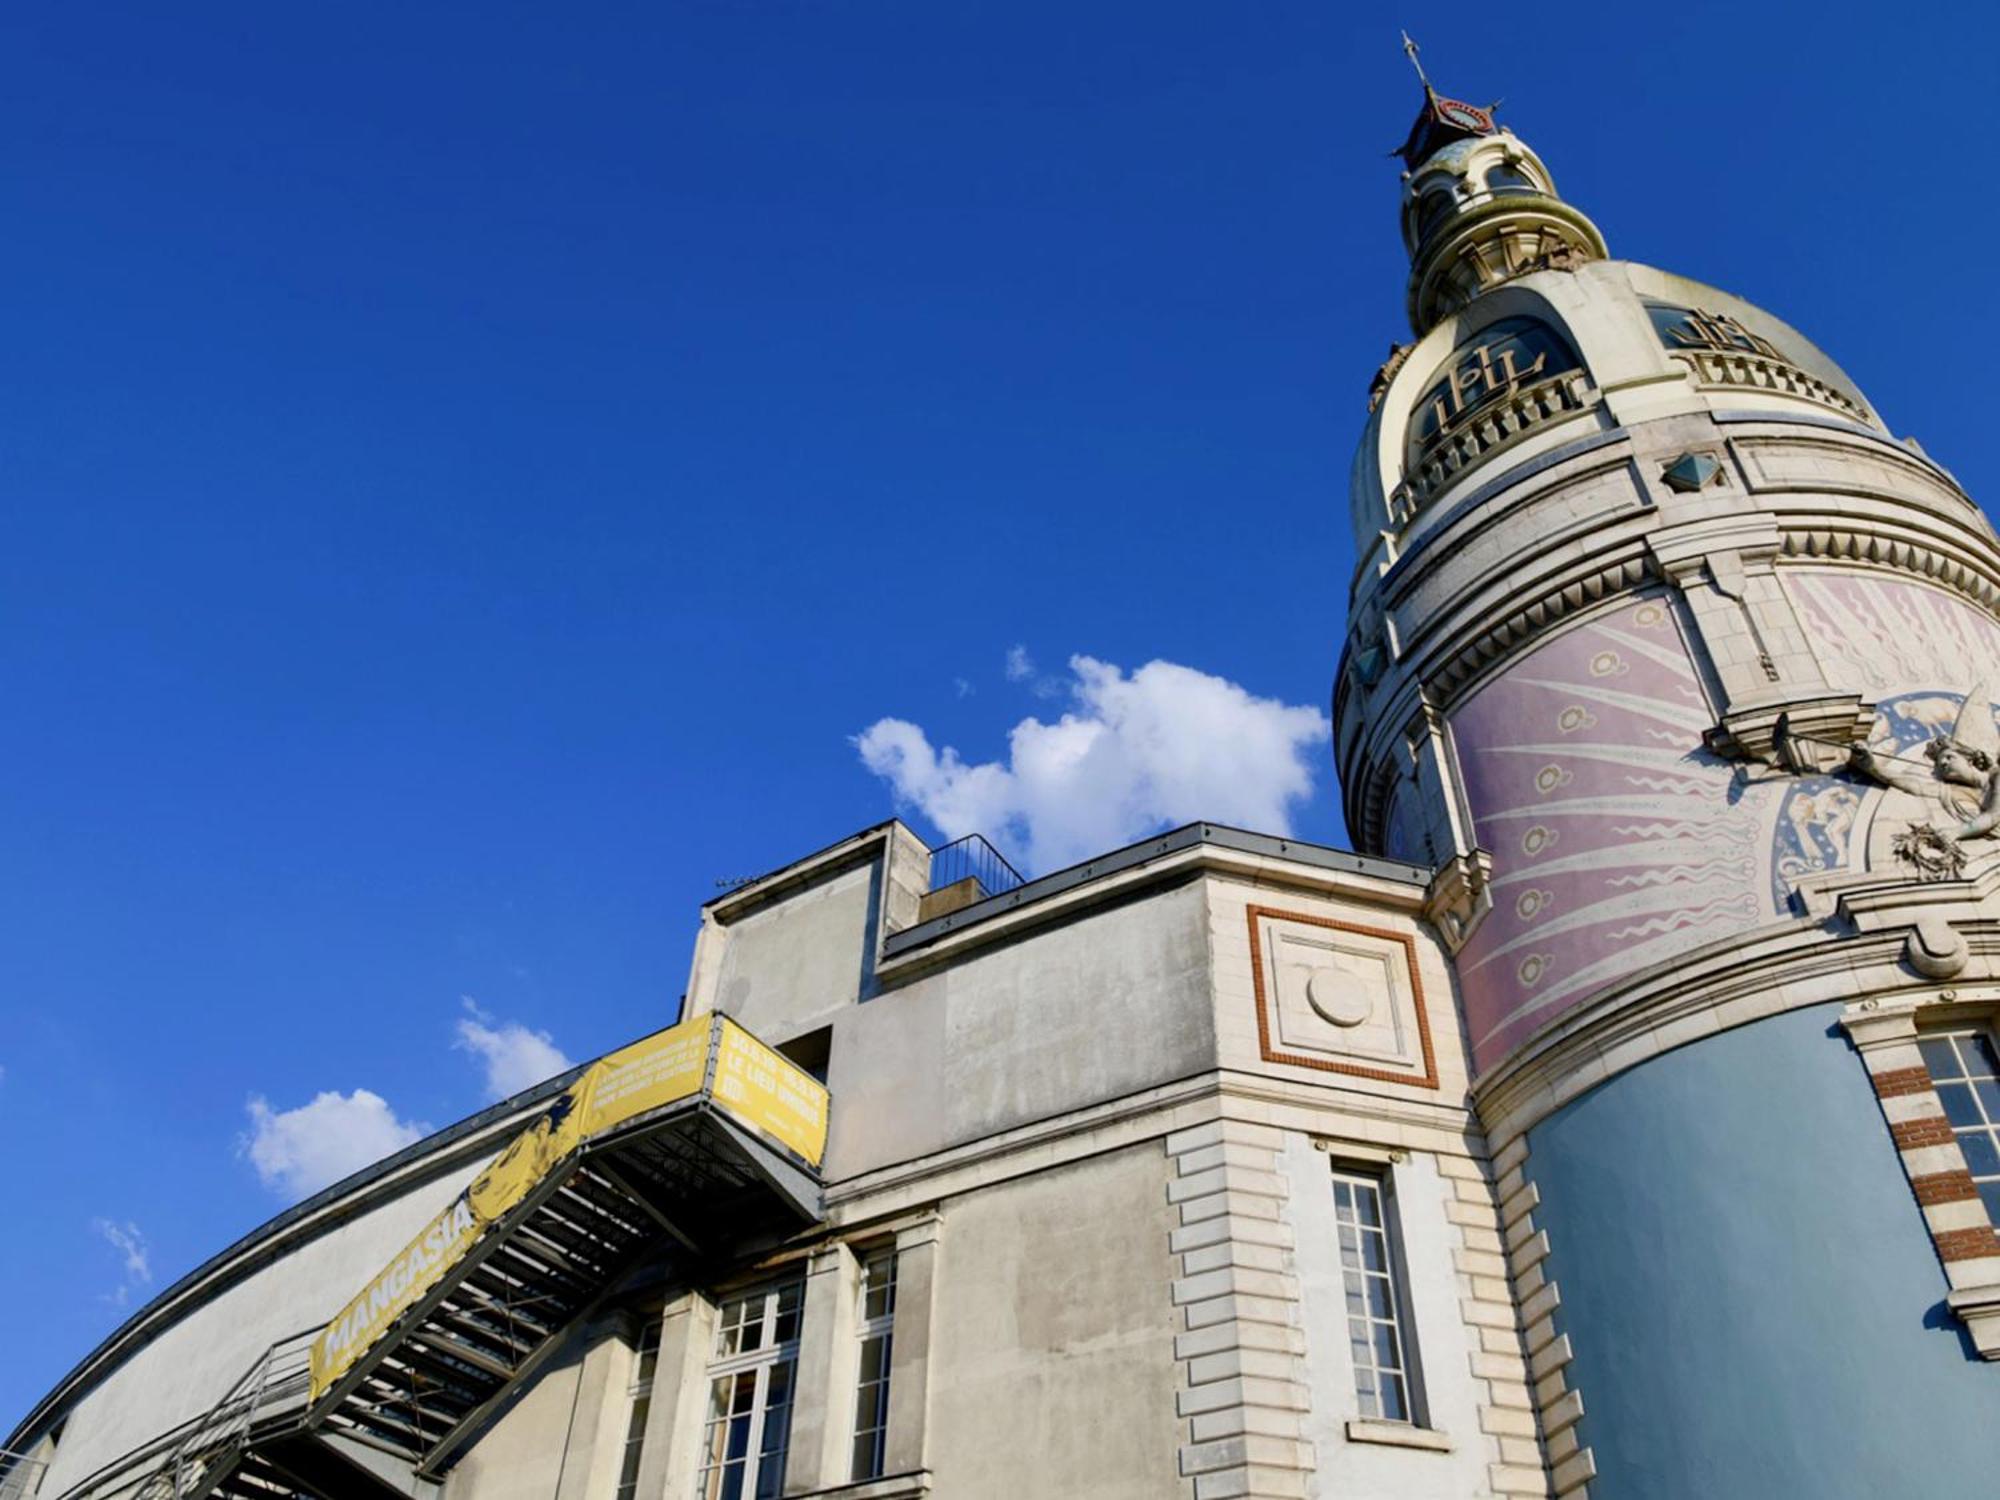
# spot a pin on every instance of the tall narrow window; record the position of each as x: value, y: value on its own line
x: 750, y: 1384
x: 871, y: 1406
x: 645, y: 1360
x: 1966, y: 1074
x: 1374, y: 1322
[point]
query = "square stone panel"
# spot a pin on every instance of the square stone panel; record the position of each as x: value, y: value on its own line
x: 1340, y: 998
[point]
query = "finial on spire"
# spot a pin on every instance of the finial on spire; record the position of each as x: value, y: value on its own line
x: 1410, y: 50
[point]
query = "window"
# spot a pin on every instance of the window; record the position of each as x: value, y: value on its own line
x: 1508, y: 178
x: 871, y: 1405
x: 1375, y: 1325
x: 1966, y: 1074
x: 750, y: 1395
x: 645, y: 1359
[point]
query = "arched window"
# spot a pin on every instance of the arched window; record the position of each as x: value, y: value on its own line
x: 1508, y: 178
x: 1501, y: 358
x: 1435, y: 209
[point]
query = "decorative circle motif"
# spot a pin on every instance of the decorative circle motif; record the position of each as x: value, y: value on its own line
x: 1575, y: 717
x: 1608, y: 664
x: 1536, y: 839
x: 1531, y: 970
x: 1529, y: 904
x: 1646, y: 616
x: 1337, y: 998
x: 1550, y: 778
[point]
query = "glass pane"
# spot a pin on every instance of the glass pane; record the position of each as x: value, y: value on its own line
x: 1381, y: 1303
x: 1374, y: 1252
x: 1343, y: 1196
x: 1940, y: 1057
x: 737, y: 1446
x: 1368, y: 1204
x: 1394, y: 1407
x: 1982, y: 1159
x: 788, y: 1316
x: 1385, y: 1348
x: 1357, y: 1301
x: 874, y: 1359
x: 1957, y: 1101
x: 1988, y: 1092
x: 1978, y: 1052
x: 1989, y: 1192
x: 731, y: 1487
x: 864, y: 1456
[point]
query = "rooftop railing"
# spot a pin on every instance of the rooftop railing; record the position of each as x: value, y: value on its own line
x: 973, y: 858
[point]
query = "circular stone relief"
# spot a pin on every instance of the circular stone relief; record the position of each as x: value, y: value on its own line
x: 1338, y: 998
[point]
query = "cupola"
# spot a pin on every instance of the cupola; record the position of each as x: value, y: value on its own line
x: 1479, y: 208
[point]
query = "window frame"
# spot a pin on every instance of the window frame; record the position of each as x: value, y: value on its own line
x: 639, y: 1403
x: 1970, y: 1110
x: 724, y: 1370
x: 1380, y: 1180
x: 878, y: 1272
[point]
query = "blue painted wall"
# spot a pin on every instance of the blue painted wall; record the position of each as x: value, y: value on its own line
x: 1753, y: 1301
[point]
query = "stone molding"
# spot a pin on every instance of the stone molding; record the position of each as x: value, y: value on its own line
x: 1412, y: 970
x: 1836, y: 543
x: 1492, y: 1299
x: 1962, y: 1232
x: 1240, y: 1346
x: 1556, y: 1407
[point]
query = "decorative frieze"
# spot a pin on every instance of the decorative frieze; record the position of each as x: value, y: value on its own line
x: 1740, y: 368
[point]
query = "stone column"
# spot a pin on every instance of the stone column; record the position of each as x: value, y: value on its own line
x: 598, y: 1417
x: 823, y: 1395
x: 908, y: 1447
x: 671, y: 1456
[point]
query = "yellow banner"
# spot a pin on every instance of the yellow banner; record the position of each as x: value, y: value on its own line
x: 666, y: 1066
x: 769, y: 1093
x: 444, y: 1241
x: 751, y: 1082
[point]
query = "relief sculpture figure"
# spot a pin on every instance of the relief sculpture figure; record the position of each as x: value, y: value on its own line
x: 1963, y: 779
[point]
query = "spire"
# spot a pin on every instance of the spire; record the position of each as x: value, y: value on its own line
x: 1440, y: 121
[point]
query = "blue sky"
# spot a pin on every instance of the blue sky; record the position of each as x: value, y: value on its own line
x: 472, y: 473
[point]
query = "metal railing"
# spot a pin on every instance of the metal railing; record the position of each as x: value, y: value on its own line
x: 276, y: 1386
x: 20, y: 1475
x: 972, y: 858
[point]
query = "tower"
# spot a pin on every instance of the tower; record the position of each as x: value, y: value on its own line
x: 1679, y: 663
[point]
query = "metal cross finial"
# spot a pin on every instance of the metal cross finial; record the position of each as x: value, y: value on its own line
x: 1410, y: 50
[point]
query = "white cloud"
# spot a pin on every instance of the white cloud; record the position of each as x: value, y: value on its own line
x: 1166, y: 745
x: 965, y: 689
x: 1020, y: 665
x: 299, y: 1151
x: 515, y: 1057
x: 130, y: 1243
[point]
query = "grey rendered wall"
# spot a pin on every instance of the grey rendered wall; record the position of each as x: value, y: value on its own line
x: 1052, y: 1368
x: 1105, y: 1006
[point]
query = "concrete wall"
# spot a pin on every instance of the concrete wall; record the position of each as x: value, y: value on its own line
x: 1053, y: 1364
x: 1749, y: 1286
x: 1107, y: 1005
x: 188, y: 1367
x: 796, y: 963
